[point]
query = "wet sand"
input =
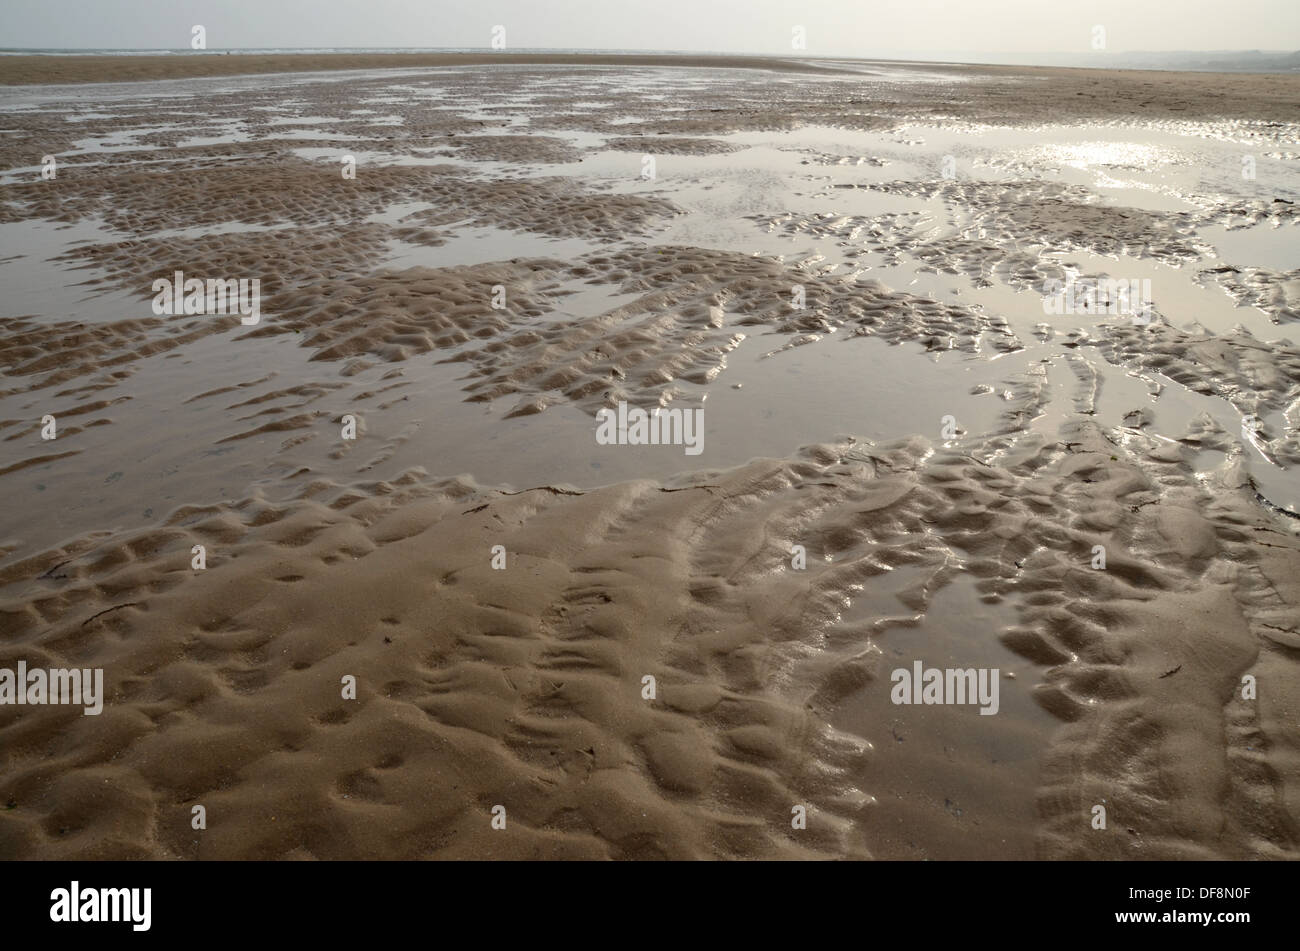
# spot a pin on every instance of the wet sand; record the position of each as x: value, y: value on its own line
x: 843, y: 270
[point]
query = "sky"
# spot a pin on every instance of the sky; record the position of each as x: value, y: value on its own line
x: 868, y: 28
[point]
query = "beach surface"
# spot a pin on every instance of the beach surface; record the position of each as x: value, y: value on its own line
x: 364, y: 580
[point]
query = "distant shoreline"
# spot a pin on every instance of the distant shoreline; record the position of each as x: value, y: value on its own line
x: 48, y: 69
x: 57, y: 67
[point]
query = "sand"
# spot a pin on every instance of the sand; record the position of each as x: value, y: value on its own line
x: 500, y: 587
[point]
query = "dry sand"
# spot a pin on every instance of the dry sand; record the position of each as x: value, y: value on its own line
x: 524, y: 687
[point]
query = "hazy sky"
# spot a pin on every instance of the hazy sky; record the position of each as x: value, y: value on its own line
x: 833, y: 27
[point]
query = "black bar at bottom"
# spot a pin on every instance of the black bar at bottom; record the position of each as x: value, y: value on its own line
x: 336, y: 900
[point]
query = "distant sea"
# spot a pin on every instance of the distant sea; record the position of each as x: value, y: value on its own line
x: 1252, y: 61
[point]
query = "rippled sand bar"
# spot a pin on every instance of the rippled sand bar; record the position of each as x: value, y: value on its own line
x: 359, y: 566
